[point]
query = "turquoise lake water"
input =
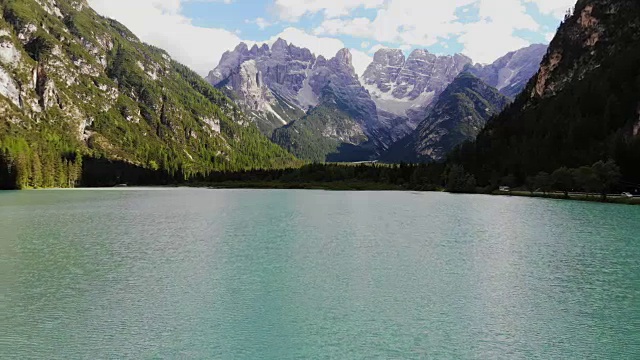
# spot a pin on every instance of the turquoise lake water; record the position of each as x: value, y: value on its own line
x: 284, y: 274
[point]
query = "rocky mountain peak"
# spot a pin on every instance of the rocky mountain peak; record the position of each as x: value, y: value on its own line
x: 510, y: 73
x: 419, y: 54
x: 242, y: 48
x: 459, y: 114
x: 344, y: 60
x: 403, y: 88
x: 344, y: 56
x: 279, y: 83
x: 259, y: 51
x: 389, y: 57
x: 280, y: 45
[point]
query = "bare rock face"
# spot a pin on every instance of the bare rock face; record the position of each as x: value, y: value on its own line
x: 281, y: 83
x: 459, y: 114
x: 229, y: 62
x: 9, y: 55
x: 403, y: 88
x: 46, y: 89
x: 248, y: 81
x: 588, y: 35
x: 336, y: 77
x: 511, y: 73
x: 282, y: 68
x: 9, y: 88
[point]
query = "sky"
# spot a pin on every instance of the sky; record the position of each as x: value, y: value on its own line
x: 198, y: 32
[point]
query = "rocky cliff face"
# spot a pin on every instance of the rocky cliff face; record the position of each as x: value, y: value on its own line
x: 269, y: 83
x: 335, y: 81
x: 403, y: 88
x: 592, y: 34
x: 458, y: 115
x: 511, y: 73
x: 280, y: 84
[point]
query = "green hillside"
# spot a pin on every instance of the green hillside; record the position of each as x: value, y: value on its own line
x: 75, y: 85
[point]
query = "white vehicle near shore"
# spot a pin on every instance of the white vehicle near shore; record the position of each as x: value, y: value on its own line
x: 627, y: 195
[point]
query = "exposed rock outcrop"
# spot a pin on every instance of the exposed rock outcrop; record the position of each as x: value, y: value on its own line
x: 8, y: 87
x: 459, y: 114
x: 403, y: 88
x: 511, y: 73
x: 280, y: 84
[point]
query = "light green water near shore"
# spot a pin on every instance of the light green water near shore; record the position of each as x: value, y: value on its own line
x: 286, y: 274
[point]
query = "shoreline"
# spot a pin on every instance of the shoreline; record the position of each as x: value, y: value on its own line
x: 356, y: 186
x: 573, y: 197
x: 351, y: 186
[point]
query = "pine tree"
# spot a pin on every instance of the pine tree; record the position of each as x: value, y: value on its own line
x: 36, y: 171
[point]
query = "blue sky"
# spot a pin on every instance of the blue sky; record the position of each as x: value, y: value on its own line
x: 197, y: 32
x: 240, y: 17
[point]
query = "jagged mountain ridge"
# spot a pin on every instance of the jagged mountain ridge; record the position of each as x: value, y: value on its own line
x: 281, y: 84
x: 582, y: 106
x: 73, y: 83
x: 511, y: 73
x: 403, y: 88
x: 458, y: 115
x: 278, y: 85
x: 267, y: 82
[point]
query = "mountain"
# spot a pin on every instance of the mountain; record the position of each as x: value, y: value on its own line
x: 76, y: 85
x: 581, y: 107
x: 511, y: 73
x: 327, y: 133
x: 279, y: 86
x: 268, y: 83
x: 403, y: 88
x: 282, y: 84
x: 458, y: 115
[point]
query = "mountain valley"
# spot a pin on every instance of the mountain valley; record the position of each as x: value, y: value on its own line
x: 281, y: 86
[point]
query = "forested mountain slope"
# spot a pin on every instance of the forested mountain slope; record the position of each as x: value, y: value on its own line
x: 74, y: 84
x: 459, y: 114
x: 583, y: 105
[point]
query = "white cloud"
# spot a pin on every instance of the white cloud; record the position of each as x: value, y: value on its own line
x: 429, y: 22
x: 375, y: 48
x: 163, y: 25
x: 293, y: 10
x: 556, y: 8
x: 201, y: 48
x: 360, y: 61
x: 407, y: 23
x: 262, y: 23
x: 549, y: 36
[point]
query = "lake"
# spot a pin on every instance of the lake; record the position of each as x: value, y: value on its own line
x: 284, y: 274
